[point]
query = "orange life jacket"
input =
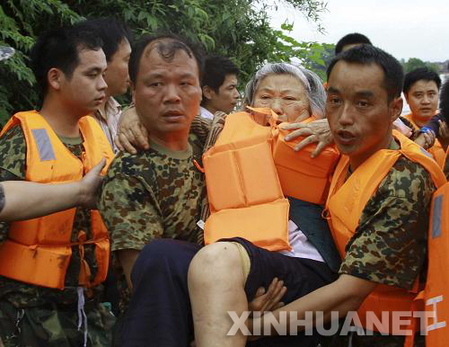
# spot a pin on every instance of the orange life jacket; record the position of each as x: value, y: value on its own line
x: 248, y: 171
x: 347, y: 199
x: 434, y: 296
x: 38, y: 251
x: 436, y: 150
x: 301, y: 176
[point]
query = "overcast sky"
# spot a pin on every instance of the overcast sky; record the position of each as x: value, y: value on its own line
x: 404, y: 28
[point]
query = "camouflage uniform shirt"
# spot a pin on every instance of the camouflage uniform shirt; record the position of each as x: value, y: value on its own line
x: 389, y: 245
x: 12, y: 167
x: 150, y: 195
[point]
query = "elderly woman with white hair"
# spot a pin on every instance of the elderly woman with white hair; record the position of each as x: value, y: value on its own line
x: 290, y: 91
x: 225, y: 275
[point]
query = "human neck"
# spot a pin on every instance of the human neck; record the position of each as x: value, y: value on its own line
x: 102, y: 107
x: 420, y: 121
x: 176, y: 142
x: 357, y: 160
x: 62, y: 120
x: 210, y: 108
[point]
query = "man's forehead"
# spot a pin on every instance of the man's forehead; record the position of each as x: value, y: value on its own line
x: 154, y: 49
x: 91, y: 56
x: 424, y: 84
x: 152, y: 59
x: 356, y: 75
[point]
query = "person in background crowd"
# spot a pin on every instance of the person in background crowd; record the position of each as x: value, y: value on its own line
x: 117, y: 48
x: 444, y: 112
x: 421, y: 88
x: 51, y: 268
x: 219, y: 86
x: 349, y: 41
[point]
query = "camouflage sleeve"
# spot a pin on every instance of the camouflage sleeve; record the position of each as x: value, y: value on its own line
x: 200, y: 127
x: 389, y: 246
x: 12, y: 163
x: 2, y: 199
x: 129, y: 212
x: 13, y: 154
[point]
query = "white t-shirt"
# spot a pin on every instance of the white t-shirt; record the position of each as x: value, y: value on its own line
x: 301, y: 246
x: 205, y: 113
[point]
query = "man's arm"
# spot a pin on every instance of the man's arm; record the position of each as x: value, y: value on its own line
x: 391, y: 232
x: 129, y: 211
x: 127, y: 258
x: 344, y: 295
x: 26, y: 200
x: 132, y: 134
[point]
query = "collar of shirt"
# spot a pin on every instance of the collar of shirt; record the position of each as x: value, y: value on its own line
x: 205, y: 113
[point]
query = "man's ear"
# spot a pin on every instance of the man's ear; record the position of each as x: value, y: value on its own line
x: 406, y: 97
x: 207, y: 92
x: 396, y: 108
x: 54, y: 77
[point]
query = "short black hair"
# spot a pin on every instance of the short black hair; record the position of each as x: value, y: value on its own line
x: 444, y: 101
x: 421, y: 73
x: 367, y: 54
x: 111, y: 31
x: 351, y: 39
x: 60, y: 49
x: 167, y: 50
x: 216, y: 68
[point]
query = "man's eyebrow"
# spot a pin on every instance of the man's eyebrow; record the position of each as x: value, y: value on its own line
x: 95, y: 69
x: 365, y: 94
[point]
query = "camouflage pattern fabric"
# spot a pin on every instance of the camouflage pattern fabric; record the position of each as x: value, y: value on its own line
x: 48, y: 326
x: 21, y: 295
x: 2, y: 199
x: 389, y: 246
x: 149, y: 195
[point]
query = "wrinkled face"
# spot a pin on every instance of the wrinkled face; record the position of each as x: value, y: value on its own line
x: 84, y: 90
x: 117, y: 76
x: 357, y: 107
x: 167, y: 94
x: 423, y: 99
x: 285, y: 95
x: 227, y: 96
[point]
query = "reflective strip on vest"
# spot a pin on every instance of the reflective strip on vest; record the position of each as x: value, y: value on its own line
x: 436, y: 216
x: 44, y: 145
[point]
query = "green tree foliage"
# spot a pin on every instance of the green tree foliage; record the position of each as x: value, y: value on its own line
x: 414, y: 63
x: 319, y: 58
x: 238, y: 29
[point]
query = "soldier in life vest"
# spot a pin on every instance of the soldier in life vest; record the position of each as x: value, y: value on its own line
x: 24, y: 200
x: 51, y: 268
x: 378, y: 205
